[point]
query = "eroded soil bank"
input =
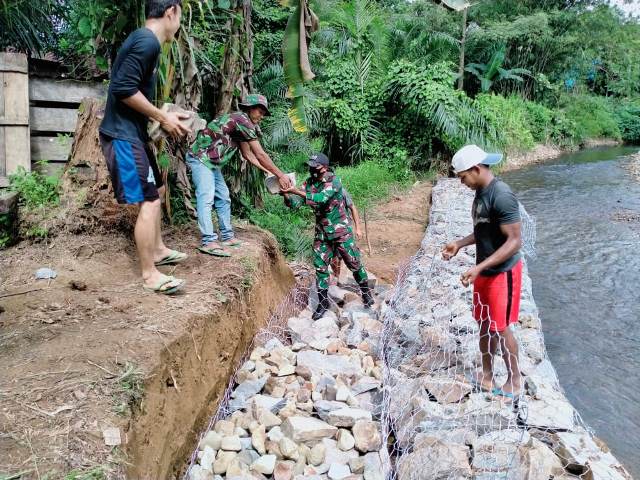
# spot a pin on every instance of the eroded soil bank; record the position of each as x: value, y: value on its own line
x: 90, y: 360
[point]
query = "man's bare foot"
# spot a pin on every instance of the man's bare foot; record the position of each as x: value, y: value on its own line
x: 483, y: 381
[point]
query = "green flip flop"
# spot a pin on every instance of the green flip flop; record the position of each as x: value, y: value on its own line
x: 173, y: 257
x: 165, y: 280
x: 232, y: 243
x: 214, y: 251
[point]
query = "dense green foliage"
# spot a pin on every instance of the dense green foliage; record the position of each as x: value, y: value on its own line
x: 386, y: 104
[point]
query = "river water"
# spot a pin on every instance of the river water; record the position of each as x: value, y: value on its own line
x: 586, y: 283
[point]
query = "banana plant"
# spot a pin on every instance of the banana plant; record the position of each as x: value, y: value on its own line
x: 492, y: 72
x: 297, y: 69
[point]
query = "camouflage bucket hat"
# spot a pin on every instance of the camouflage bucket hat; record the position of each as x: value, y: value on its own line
x: 255, y: 100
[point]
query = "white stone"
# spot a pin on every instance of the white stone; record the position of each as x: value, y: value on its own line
x: 317, y: 454
x: 320, y: 363
x: 338, y: 472
x: 367, y: 436
x: 373, y: 469
x: 223, y: 460
x: 207, y: 459
x: 212, y: 439
x: 231, y: 444
x: 288, y: 448
x: 112, y: 437
x: 440, y: 460
x: 345, y: 440
x: 265, y: 464
x: 273, y: 344
x: 304, y: 429
x: 258, y: 439
x: 275, y: 434
x: 196, y: 472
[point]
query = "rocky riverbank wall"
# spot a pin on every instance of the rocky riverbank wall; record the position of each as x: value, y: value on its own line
x: 443, y: 426
x: 385, y: 393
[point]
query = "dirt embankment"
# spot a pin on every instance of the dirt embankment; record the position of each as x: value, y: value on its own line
x: 91, y: 351
x: 396, y: 228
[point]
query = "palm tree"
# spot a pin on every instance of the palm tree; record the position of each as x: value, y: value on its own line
x: 28, y: 25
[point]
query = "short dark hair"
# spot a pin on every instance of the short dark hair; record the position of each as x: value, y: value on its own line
x: 156, y: 8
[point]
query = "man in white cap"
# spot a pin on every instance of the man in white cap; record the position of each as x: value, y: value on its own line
x: 497, y: 275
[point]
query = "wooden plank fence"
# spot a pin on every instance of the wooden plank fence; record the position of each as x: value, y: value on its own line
x: 53, y: 114
x: 14, y: 115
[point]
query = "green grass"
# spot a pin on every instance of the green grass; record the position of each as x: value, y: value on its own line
x: 368, y: 182
x: 131, y: 389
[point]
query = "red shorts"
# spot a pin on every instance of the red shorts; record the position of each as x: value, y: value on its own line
x: 497, y: 298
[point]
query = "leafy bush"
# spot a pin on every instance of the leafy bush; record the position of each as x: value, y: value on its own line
x: 628, y: 118
x: 509, y: 116
x: 422, y: 106
x: 36, y: 189
x: 593, y: 116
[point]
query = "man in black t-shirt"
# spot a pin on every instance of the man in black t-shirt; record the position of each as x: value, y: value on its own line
x: 123, y: 134
x: 497, y: 275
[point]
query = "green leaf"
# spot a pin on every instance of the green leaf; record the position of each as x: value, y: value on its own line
x: 224, y: 4
x: 85, y: 27
x: 102, y: 63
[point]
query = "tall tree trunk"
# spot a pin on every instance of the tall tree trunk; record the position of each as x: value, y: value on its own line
x: 237, y: 65
x: 462, y: 47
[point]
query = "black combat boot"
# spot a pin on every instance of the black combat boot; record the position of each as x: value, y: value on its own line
x: 367, y: 298
x: 323, y: 303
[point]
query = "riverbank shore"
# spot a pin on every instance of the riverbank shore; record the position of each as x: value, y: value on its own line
x: 542, y: 153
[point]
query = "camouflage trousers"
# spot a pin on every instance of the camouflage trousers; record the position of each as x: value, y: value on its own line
x: 325, y: 250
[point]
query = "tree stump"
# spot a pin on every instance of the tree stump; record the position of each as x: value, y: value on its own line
x: 87, y: 199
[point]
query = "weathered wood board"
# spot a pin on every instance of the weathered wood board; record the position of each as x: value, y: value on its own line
x: 66, y: 91
x: 61, y: 120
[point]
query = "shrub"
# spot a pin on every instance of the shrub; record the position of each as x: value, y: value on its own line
x: 628, y: 118
x: 510, y: 118
x: 593, y: 116
x: 36, y: 189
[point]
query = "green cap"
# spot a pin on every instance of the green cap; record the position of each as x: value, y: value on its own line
x: 255, y: 100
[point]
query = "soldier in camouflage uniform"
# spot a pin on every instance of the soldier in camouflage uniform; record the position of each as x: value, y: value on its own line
x: 216, y: 145
x: 333, y: 232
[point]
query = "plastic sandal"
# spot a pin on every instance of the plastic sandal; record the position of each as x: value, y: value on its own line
x: 165, y: 280
x: 173, y: 257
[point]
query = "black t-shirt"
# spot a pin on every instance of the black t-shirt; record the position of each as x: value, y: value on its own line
x: 134, y: 70
x: 493, y: 206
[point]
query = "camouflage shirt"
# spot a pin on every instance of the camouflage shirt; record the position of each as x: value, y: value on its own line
x: 326, y: 197
x: 216, y: 144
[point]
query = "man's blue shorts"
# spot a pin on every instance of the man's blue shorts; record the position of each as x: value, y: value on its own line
x: 133, y: 169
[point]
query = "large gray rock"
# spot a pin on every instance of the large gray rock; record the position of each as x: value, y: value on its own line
x: 438, y: 461
x: 498, y: 451
x: 553, y: 412
x: 305, y: 429
x: 320, y: 363
x: 580, y: 453
x: 347, y: 417
x: 447, y: 389
x: 249, y: 388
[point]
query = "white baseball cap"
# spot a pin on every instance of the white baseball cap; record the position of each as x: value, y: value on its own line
x: 472, y: 155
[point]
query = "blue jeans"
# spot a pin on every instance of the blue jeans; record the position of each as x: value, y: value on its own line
x: 211, y: 190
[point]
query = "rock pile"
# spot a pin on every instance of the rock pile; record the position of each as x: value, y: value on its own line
x: 388, y: 394
x: 308, y: 407
x: 445, y: 427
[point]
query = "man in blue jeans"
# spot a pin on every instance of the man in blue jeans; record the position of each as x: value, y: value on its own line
x: 216, y: 145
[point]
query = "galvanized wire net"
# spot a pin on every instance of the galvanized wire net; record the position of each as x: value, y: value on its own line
x: 444, y: 419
